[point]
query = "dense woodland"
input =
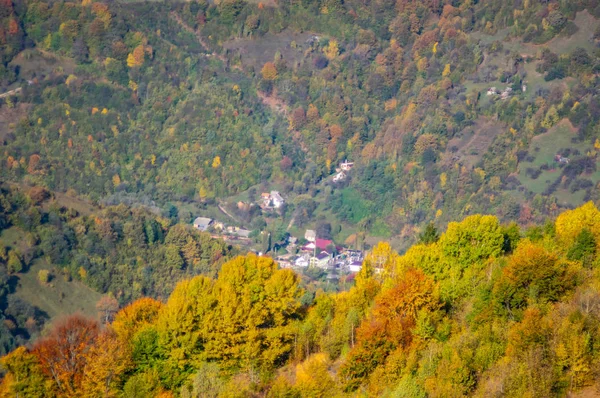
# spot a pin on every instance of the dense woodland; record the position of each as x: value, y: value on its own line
x: 125, y: 252
x: 153, y: 102
x: 480, y: 310
x: 143, y: 109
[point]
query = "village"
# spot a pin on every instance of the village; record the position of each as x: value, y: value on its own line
x: 300, y: 252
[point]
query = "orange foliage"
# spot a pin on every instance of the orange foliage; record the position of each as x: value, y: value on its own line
x: 269, y: 71
x: 13, y: 27
x: 62, y: 354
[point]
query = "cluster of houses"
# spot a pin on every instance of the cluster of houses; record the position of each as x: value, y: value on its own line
x: 323, y: 254
x: 320, y: 253
x: 270, y: 201
x: 341, y: 172
x: 206, y: 224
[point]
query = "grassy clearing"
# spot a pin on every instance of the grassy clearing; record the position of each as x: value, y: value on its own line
x: 544, y: 148
x: 473, y: 142
x: 38, y: 63
x: 256, y: 52
x: 56, y: 298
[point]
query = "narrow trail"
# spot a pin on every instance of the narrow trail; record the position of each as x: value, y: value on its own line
x: 201, y: 40
x: 224, y: 211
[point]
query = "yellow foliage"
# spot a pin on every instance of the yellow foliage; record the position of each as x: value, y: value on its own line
x: 312, y: 376
x: 104, y: 111
x: 446, y: 71
x: 216, y: 162
x: 424, y: 142
x: 443, y: 179
x: 133, y: 85
x: 70, y: 79
x: 438, y: 213
x: 391, y: 104
x: 269, y: 71
x: 116, y: 180
x: 95, y: 110
x: 434, y: 49
x: 570, y: 223
x: 332, y: 50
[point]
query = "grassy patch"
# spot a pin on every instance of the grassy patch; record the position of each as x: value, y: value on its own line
x: 57, y: 297
x: 542, y: 151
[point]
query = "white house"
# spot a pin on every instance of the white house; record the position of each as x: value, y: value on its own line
x: 301, y: 262
x: 276, y: 199
x: 355, y: 266
x: 321, y: 260
x: 202, y: 223
x: 346, y: 165
x: 310, y: 235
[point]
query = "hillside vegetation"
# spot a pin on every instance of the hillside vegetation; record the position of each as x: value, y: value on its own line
x: 483, y: 310
x: 55, y: 261
x: 169, y: 103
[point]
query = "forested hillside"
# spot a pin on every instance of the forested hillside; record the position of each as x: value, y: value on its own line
x: 124, y: 253
x: 446, y: 108
x: 483, y: 310
x: 122, y: 121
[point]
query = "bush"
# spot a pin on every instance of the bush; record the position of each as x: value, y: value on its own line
x: 44, y: 276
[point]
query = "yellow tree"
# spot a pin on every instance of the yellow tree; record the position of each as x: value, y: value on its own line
x: 23, y: 376
x: 136, y: 58
x: 251, y: 321
x: 135, y: 316
x: 180, y: 322
x: 570, y: 223
x: 332, y: 50
x: 269, y: 71
x: 106, y: 363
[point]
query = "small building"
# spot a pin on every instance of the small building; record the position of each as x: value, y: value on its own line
x: 341, y: 176
x: 242, y: 233
x: 524, y: 88
x: 323, y: 244
x: 492, y: 91
x: 310, y: 235
x: 276, y: 199
x: 321, y: 260
x: 301, y: 262
x: 346, y: 165
x: 283, y: 262
x: 561, y: 159
x: 202, y: 223
x: 506, y: 93
x: 355, y: 266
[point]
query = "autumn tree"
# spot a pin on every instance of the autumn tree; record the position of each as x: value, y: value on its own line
x: 269, y: 71
x: 107, y: 307
x: 24, y: 376
x: 251, y: 321
x: 136, y: 57
x: 63, y: 353
x: 105, y: 365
